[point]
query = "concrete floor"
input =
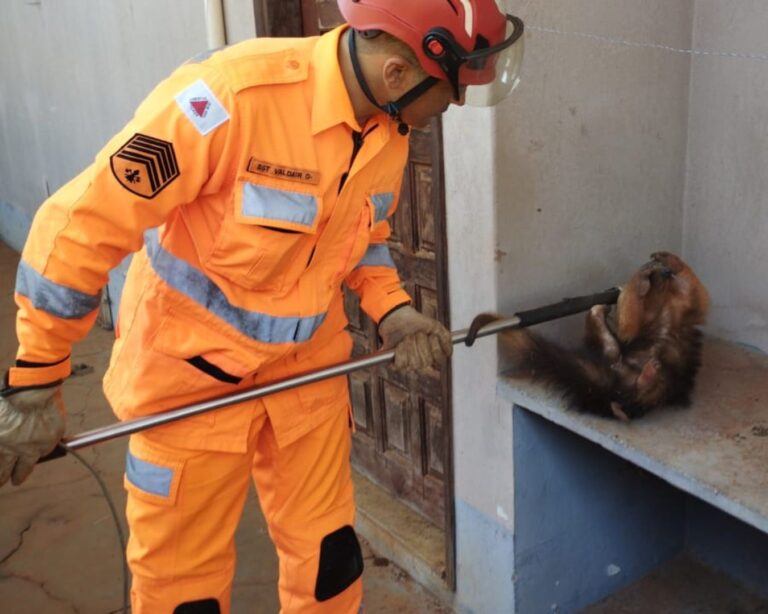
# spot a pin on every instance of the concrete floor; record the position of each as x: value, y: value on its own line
x: 682, y: 586
x: 59, y: 551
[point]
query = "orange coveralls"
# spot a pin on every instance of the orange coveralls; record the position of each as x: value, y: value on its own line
x: 250, y: 193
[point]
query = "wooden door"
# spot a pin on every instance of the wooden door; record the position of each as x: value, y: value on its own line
x: 403, y: 440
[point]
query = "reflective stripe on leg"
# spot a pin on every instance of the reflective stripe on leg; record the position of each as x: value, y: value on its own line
x: 183, y: 507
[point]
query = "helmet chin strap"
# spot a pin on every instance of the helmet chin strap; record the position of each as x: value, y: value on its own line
x: 393, y: 109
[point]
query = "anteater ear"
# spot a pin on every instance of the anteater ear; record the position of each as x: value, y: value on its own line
x: 649, y: 375
x: 644, y: 285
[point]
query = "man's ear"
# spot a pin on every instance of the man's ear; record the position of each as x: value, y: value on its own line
x: 397, y: 74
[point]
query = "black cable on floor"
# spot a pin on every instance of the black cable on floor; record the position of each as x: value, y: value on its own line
x: 118, y: 526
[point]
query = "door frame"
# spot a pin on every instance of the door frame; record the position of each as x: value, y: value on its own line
x: 287, y: 18
x: 277, y: 18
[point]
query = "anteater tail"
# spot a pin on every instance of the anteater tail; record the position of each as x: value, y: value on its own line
x: 583, y: 381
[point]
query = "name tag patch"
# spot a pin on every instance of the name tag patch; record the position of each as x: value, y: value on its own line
x: 258, y: 167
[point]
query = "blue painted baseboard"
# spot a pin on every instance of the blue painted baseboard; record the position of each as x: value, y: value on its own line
x: 587, y: 523
x: 485, y: 563
x: 728, y: 544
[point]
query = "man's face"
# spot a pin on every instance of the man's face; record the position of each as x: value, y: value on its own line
x: 431, y: 104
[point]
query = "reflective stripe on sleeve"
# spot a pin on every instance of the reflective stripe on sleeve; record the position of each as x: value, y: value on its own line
x: 194, y: 284
x: 377, y: 255
x: 382, y: 203
x: 52, y: 297
x: 273, y: 204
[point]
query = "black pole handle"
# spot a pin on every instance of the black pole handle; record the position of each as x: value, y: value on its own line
x: 57, y: 452
x: 567, y: 307
x: 531, y: 317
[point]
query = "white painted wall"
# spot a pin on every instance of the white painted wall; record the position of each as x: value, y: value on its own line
x: 73, y: 71
x: 591, y: 150
x: 726, y: 201
x: 606, y: 153
x: 481, y: 429
x: 571, y: 182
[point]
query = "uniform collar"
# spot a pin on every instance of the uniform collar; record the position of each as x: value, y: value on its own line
x: 330, y: 101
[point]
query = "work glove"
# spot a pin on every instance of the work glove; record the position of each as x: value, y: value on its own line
x: 31, y: 424
x: 419, y: 342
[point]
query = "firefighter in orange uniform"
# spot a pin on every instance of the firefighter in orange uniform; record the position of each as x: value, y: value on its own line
x: 251, y: 184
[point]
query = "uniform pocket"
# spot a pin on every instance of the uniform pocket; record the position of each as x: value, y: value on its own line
x: 150, y: 475
x: 210, y: 369
x: 333, y: 391
x: 213, y: 356
x: 267, y: 236
x: 297, y: 410
x: 191, y: 361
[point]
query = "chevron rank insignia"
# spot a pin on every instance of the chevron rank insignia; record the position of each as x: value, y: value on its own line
x: 145, y: 165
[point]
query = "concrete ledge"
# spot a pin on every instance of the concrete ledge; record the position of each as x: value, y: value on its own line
x: 716, y: 450
x: 398, y: 533
x: 701, y: 489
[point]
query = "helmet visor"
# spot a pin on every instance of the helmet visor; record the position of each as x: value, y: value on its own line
x: 492, y: 74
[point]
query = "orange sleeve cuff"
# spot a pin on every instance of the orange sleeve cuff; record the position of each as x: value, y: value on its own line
x: 377, y: 305
x: 19, y: 377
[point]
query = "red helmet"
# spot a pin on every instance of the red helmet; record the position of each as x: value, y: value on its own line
x: 459, y: 41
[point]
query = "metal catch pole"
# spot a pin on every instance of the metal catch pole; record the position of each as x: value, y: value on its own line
x: 522, y: 319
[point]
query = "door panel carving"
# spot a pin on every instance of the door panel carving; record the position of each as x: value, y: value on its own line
x: 402, y: 441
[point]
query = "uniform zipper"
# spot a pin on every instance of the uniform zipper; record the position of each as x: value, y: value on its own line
x: 358, y: 138
x: 357, y: 144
